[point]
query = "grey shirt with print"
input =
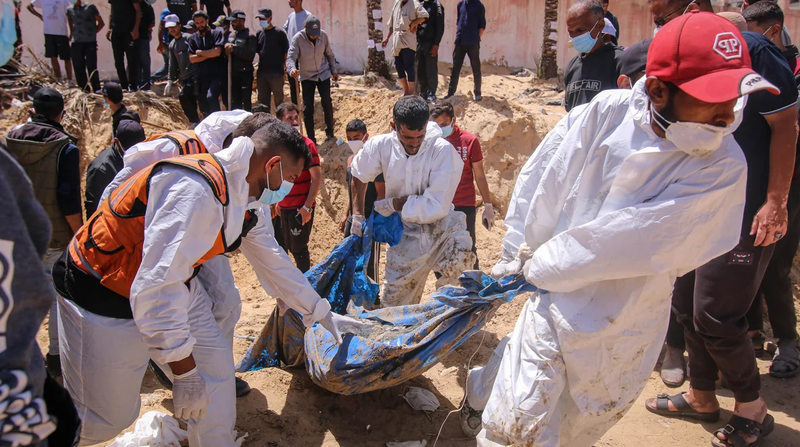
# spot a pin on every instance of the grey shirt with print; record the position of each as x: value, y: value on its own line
x: 84, y: 26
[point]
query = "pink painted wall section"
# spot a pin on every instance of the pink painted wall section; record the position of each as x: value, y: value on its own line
x: 513, y: 36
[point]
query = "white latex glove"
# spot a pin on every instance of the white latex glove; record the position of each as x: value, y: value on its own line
x: 488, y: 216
x: 511, y: 265
x: 335, y: 322
x: 357, y: 225
x: 168, y: 88
x: 190, y: 395
x: 385, y: 207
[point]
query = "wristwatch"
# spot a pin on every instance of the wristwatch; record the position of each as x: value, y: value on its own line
x: 308, y: 210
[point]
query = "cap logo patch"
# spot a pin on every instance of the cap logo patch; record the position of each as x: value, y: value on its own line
x: 728, y: 46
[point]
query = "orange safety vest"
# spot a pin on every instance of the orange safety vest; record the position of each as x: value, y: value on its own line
x: 107, y: 251
x: 186, y: 140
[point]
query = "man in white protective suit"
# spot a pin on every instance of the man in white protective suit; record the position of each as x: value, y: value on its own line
x: 627, y: 193
x: 129, y: 293
x: 422, y: 172
x: 211, y: 135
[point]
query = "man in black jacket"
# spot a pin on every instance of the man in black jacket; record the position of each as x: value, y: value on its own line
x: 429, y: 35
x: 242, y: 47
x: 108, y: 163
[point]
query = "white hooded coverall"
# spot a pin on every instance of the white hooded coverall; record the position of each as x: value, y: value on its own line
x: 105, y: 358
x: 435, y: 236
x: 613, y: 214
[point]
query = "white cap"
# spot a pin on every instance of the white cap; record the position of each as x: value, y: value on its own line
x: 172, y: 20
x: 609, y: 28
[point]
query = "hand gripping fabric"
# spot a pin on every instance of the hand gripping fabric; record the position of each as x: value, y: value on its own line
x: 341, y: 279
x: 399, y: 343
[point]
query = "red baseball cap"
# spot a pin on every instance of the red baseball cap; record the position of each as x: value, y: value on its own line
x: 705, y: 56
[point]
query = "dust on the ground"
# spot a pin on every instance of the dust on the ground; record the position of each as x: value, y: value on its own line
x: 286, y: 409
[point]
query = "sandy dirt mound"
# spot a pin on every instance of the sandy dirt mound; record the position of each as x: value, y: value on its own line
x: 286, y: 409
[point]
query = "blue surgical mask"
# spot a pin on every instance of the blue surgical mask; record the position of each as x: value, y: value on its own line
x: 73, y: 1
x: 264, y: 23
x: 585, y: 42
x: 105, y: 103
x: 447, y: 130
x: 270, y: 197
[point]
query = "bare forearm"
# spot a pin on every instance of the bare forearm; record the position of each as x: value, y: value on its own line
x: 75, y: 222
x: 483, y: 187
x: 783, y: 143
x: 359, y: 192
x: 316, y: 184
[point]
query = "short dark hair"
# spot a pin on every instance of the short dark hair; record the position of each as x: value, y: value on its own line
x: 443, y: 107
x: 200, y: 13
x: 764, y: 13
x: 280, y: 136
x: 113, y: 91
x: 285, y: 108
x: 259, y: 108
x: 412, y: 112
x: 356, y: 126
x: 250, y: 125
x: 605, y: 2
x: 592, y: 6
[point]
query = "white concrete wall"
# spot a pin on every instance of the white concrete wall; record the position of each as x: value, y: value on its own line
x: 513, y: 36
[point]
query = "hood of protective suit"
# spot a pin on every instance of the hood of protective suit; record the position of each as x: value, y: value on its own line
x: 213, y: 130
x: 640, y: 110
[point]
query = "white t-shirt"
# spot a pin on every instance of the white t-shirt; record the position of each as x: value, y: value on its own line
x: 54, y: 13
x: 295, y: 23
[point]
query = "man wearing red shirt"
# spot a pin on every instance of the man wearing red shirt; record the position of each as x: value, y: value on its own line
x: 293, y: 217
x: 469, y: 147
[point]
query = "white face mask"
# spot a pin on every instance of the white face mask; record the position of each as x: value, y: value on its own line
x: 355, y: 145
x: 297, y: 128
x: 696, y: 139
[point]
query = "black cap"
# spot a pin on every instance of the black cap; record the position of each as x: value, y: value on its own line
x: 634, y: 58
x: 113, y: 91
x: 48, y: 100
x: 264, y: 13
x: 129, y: 132
x: 313, y: 27
x: 237, y: 14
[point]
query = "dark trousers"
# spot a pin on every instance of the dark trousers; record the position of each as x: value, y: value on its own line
x: 162, y: 72
x: 242, y: 90
x: 474, y: 53
x: 188, y: 99
x: 84, y: 63
x: 711, y: 303
x: 471, y: 213
x: 296, y: 236
x: 427, y: 70
x: 122, y: 47
x: 292, y: 91
x: 208, y: 95
x: 324, y: 88
x: 143, y: 51
x: 675, y: 337
x: 270, y: 85
x: 776, y: 287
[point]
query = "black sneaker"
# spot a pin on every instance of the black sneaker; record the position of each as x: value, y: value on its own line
x: 52, y: 364
x: 478, y: 98
x: 471, y: 423
x: 242, y: 388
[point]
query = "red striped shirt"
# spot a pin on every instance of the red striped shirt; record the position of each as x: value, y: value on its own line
x: 302, y: 185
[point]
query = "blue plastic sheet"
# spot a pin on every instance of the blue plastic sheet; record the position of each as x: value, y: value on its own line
x: 400, y: 343
x: 341, y: 279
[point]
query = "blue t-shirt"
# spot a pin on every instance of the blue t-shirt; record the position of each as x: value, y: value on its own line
x: 471, y: 18
x: 164, y: 13
x: 754, y: 134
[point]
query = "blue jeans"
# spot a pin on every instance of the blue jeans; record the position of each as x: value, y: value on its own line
x: 162, y: 72
x: 142, y: 48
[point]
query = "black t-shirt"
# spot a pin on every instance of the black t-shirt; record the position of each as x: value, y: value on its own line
x: 148, y: 19
x: 590, y: 74
x: 123, y: 17
x: 273, y: 46
x: 209, y: 68
x: 215, y: 8
x: 754, y: 134
x: 182, y: 9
